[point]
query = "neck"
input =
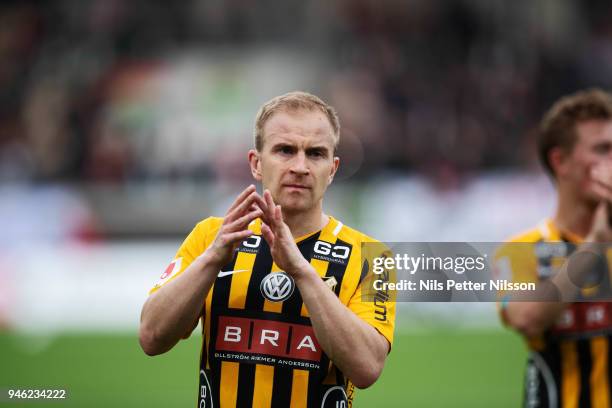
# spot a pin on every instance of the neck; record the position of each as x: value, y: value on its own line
x: 573, y: 214
x: 302, y: 223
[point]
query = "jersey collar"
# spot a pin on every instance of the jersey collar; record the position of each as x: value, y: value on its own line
x: 551, y: 232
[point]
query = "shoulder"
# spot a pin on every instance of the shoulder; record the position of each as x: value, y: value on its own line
x: 202, y: 233
x: 531, y: 235
x: 208, y: 225
x: 352, y: 236
x: 362, y: 244
x: 511, y: 247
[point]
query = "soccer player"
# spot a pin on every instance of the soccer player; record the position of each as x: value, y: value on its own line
x: 277, y: 283
x: 570, y: 362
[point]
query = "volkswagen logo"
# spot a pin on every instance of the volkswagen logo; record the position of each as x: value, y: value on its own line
x: 277, y: 286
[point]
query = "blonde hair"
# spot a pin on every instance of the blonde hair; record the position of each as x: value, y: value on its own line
x: 291, y: 102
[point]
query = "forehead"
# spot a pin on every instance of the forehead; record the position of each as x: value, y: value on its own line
x: 593, y: 131
x: 301, y: 126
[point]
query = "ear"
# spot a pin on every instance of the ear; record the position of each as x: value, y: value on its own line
x: 334, y: 170
x: 557, y: 157
x: 255, y: 164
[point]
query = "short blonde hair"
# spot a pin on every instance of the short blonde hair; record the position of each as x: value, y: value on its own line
x: 291, y: 102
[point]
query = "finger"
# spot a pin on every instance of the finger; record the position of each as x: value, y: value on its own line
x: 267, y: 234
x: 241, y: 208
x: 238, y: 236
x: 268, y: 211
x: 603, y: 211
x: 260, y: 202
x: 263, y: 210
x: 244, y: 194
x: 279, y: 214
x: 243, y: 221
x: 272, y: 208
x: 277, y: 219
x: 268, y: 198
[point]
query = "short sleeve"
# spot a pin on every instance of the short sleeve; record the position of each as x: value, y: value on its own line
x: 193, y: 246
x: 375, y: 307
x: 379, y: 313
x: 514, y: 262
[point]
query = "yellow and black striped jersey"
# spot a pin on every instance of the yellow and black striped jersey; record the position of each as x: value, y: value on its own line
x: 569, y: 365
x: 259, y: 348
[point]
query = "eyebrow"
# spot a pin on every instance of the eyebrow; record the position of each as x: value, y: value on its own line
x: 318, y: 148
x: 289, y: 144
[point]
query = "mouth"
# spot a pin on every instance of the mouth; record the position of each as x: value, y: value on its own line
x: 296, y: 186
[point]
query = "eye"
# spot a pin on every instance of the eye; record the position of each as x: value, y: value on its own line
x: 603, y: 148
x: 316, y: 153
x: 285, y: 149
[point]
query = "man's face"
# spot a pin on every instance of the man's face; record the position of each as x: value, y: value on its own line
x: 592, y: 152
x: 296, y: 162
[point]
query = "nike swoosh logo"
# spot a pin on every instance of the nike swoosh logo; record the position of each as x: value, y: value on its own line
x: 227, y: 273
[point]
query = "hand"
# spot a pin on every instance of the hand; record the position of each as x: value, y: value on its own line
x: 247, y: 207
x: 601, y: 231
x: 601, y: 181
x: 278, y: 236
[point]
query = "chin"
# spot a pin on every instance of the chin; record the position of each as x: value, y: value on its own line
x: 292, y: 205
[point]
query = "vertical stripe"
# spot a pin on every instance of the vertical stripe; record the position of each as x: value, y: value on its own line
x: 609, y: 363
x: 264, y: 375
x: 282, y: 388
x: 299, y: 389
x: 314, y: 386
x: 240, y: 280
x: 203, y: 349
x: 229, y: 383
x: 263, y: 386
x: 327, y: 235
x: 600, y: 391
x: 585, y: 363
x: 321, y: 268
x: 253, y: 301
x: 570, y: 374
x: 230, y: 370
x: 552, y: 357
x: 219, y: 299
x: 316, y: 378
x: 337, y: 270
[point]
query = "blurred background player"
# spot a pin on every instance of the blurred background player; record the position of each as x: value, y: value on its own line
x: 569, y: 364
x: 284, y: 322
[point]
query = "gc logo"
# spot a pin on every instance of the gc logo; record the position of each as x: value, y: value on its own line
x: 337, y: 251
x: 277, y: 286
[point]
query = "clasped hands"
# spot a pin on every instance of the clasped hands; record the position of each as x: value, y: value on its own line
x: 247, y: 207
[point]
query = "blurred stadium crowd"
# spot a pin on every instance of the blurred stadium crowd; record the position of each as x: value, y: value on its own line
x: 114, y: 91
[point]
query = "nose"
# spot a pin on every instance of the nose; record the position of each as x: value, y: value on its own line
x: 299, y: 165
